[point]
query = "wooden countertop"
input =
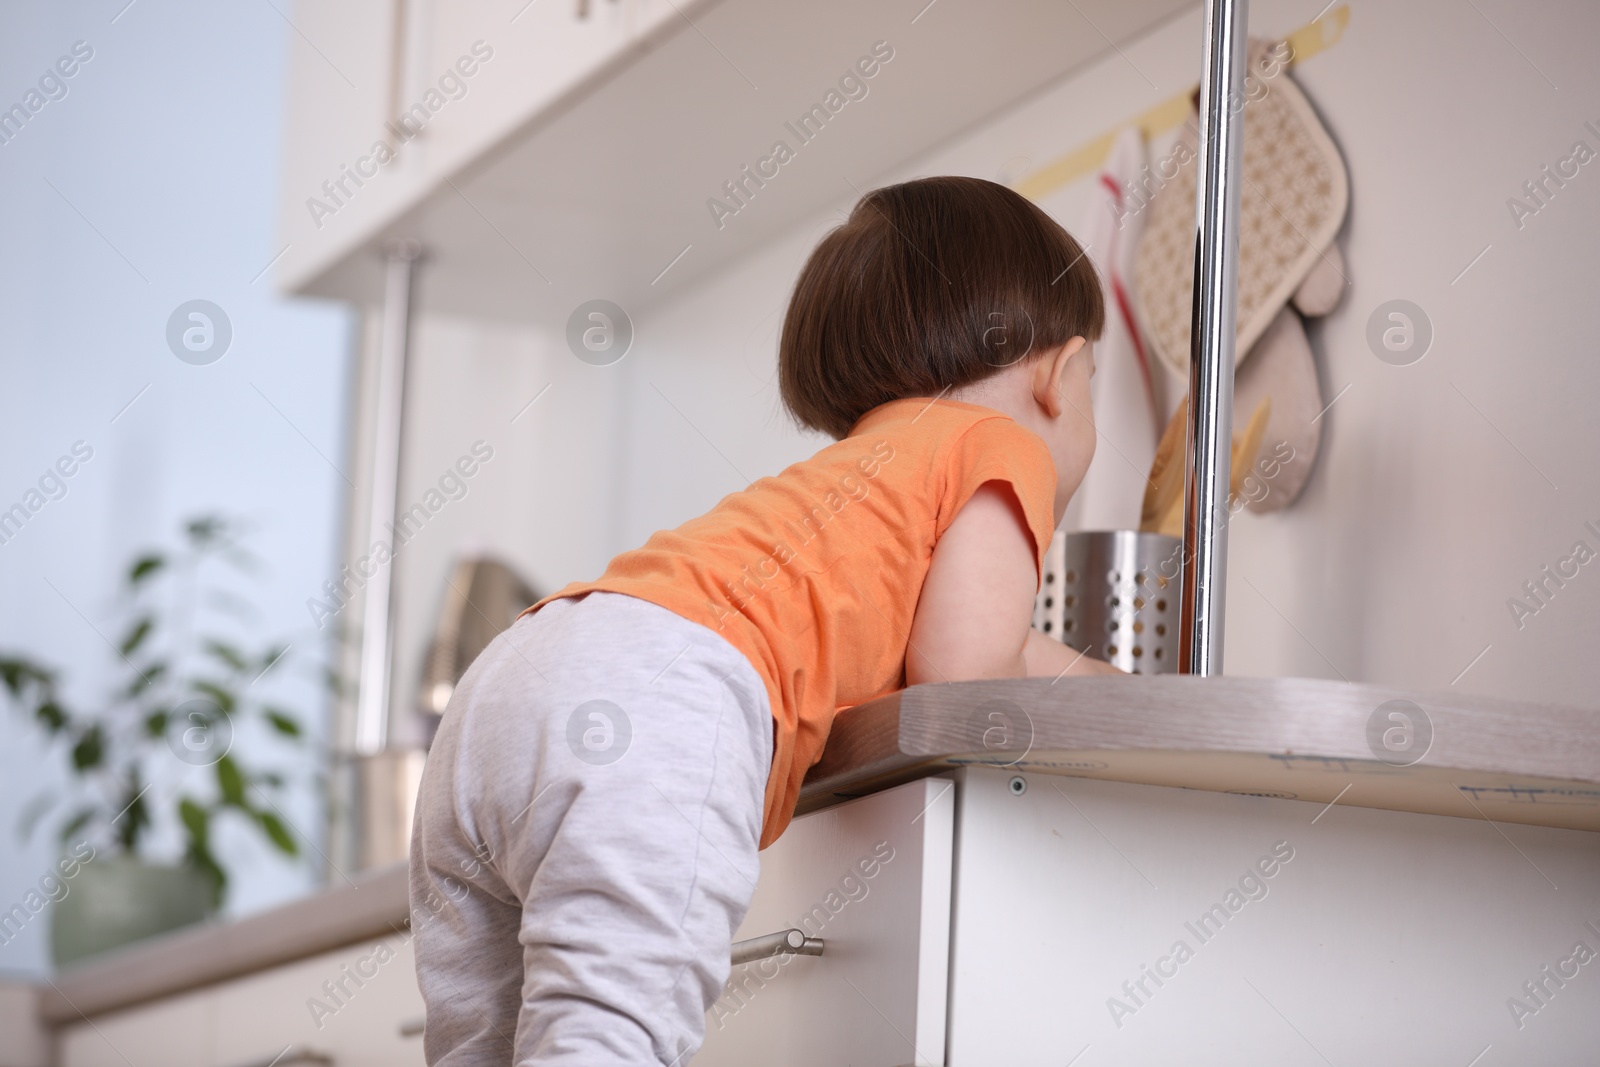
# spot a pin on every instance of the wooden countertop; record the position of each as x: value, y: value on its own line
x: 1294, y: 738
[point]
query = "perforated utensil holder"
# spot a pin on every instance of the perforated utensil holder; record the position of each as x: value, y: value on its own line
x: 1113, y: 595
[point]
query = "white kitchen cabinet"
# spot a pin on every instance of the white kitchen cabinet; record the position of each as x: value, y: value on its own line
x: 1380, y: 937
x: 251, y: 1020
x: 437, y: 84
x: 176, y: 1033
x: 871, y: 878
x: 584, y: 158
x: 1049, y: 934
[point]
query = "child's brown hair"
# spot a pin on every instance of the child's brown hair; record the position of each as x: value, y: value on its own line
x: 929, y: 285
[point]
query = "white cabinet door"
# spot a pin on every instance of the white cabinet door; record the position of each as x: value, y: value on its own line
x: 349, y: 1006
x: 175, y: 1032
x: 1103, y: 923
x: 395, y: 96
x: 871, y: 878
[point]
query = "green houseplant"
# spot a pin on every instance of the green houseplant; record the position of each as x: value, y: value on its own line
x: 159, y: 747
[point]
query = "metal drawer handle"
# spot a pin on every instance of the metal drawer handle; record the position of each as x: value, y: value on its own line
x: 790, y: 942
x: 782, y: 943
x: 295, y: 1056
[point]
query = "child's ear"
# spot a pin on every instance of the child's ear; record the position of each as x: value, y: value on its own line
x: 1048, y: 370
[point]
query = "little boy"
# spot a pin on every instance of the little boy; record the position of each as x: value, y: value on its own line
x: 587, y: 831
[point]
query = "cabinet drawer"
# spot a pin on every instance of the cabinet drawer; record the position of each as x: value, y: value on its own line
x: 872, y: 879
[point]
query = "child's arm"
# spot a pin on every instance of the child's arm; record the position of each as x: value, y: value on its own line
x: 974, y: 617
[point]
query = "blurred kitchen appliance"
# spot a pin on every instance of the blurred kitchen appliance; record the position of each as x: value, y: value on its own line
x: 1114, y: 595
x: 482, y: 597
x: 380, y: 791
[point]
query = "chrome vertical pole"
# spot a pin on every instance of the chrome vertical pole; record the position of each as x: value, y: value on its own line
x: 377, y: 609
x: 1211, y: 338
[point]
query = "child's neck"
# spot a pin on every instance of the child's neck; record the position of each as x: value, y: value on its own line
x: 1009, y: 392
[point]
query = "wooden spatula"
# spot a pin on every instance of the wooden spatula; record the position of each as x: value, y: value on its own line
x: 1162, y: 511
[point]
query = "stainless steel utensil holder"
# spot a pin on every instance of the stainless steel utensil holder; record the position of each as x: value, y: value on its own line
x: 1114, y: 595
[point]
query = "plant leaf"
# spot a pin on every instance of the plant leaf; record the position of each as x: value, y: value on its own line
x: 282, y: 722
x: 50, y: 715
x: 135, y: 814
x: 232, y: 604
x: 196, y: 820
x: 205, y: 530
x: 136, y: 635
x: 227, y: 654
x: 333, y: 680
x: 89, y: 750
x: 144, y: 567
x: 271, y: 656
x: 19, y: 673
x: 221, y: 697
x: 155, y: 723
x: 278, y: 833
x: 12, y: 673
x: 231, y: 782
x: 202, y: 858
x: 147, y: 677
x: 76, y: 823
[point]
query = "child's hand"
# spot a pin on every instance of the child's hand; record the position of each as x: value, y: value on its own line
x: 1049, y: 658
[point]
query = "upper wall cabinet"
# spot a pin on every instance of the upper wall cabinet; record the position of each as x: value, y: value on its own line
x: 391, y: 100
x: 554, y: 151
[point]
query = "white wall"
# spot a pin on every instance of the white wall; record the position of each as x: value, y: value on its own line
x: 545, y: 502
x: 166, y: 147
x: 1423, y: 516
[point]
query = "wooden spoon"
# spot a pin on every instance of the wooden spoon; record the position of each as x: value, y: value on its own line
x: 1162, y: 511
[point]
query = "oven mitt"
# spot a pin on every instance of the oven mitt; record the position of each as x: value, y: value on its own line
x: 1292, y: 204
x: 1163, y: 494
x: 1324, y: 286
x: 1280, y: 368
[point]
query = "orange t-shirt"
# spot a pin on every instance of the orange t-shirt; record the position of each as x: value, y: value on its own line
x: 815, y: 574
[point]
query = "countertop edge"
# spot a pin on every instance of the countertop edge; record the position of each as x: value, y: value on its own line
x: 1005, y: 721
